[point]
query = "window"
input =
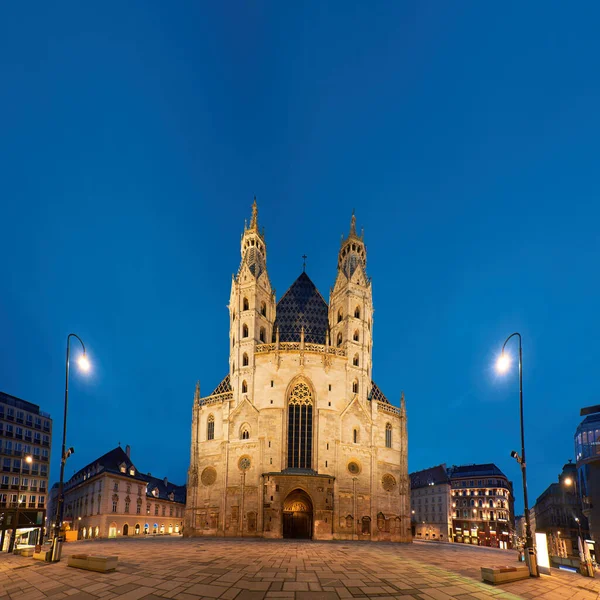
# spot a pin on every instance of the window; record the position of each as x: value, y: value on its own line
x: 246, y: 304
x: 263, y: 335
x: 300, y: 416
x: 356, y: 336
x: 355, y: 436
x: 340, y: 315
x: 116, y: 486
x: 163, y: 510
x: 170, y: 511
x: 263, y: 309
x: 138, y: 508
x: 388, y: 435
x: 339, y: 339
x: 244, y: 387
x: 127, y: 505
x: 355, y: 386
x: 210, y: 428
x: 357, y: 312
x: 115, y: 500
x: 245, y: 360
x: 245, y: 331
x: 245, y: 433
x: 156, y: 510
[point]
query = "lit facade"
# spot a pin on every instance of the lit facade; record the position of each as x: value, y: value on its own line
x: 587, y: 454
x: 111, y: 498
x: 25, y: 431
x: 430, y: 499
x: 482, y: 505
x: 297, y: 440
x: 555, y: 512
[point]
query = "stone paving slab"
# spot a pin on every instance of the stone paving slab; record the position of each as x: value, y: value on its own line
x: 251, y: 569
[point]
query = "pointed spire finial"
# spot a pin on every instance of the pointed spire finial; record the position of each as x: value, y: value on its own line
x: 353, y: 224
x: 402, y: 404
x: 304, y: 263
x: 197, y: 393
x: 254, y: 220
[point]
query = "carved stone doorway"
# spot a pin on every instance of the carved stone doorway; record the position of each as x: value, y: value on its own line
x: 298, y: 516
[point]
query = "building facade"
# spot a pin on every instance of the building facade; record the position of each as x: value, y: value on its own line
x: 297, y: 440
x: 556, y: 511
x: 482, y: 505
x: 25, y: 445
x: 431, y: 509
x: 587, y: 455
x: 111, y: 498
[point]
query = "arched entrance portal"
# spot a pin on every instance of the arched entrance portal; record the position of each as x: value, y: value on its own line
x: 125, y: 529
x: 297, y: 516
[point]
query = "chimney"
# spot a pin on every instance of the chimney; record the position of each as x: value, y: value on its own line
x: 166, y: 482
x: 128, y: 451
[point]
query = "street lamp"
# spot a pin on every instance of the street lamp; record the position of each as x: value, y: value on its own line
x: 502, y: 366
x: 28, y: 459
x: 84, y: 365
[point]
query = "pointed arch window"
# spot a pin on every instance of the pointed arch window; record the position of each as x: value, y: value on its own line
x: 210, y: 428
x: 245, y: 360
x: 246, y: 304
x: 355, y: 386
x: 245, y: 330
x: 300, y: 417
x: 263, y: 309
x: 245, y: 433
x: 340, y: 315
x: 357, y: 312
x: 339, y: 339
x: 388, y: 435
x: 263, y: 335
x: 356, y: 335
x: 244, y: 387
x: 355, y: 360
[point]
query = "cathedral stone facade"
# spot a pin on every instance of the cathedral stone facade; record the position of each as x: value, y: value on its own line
x: 297, y: 440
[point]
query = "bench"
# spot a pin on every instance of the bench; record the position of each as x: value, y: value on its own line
x: 43, y: 554
x: 91, y: 562
x: 504, y: 574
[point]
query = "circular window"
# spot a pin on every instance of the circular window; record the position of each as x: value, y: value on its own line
x: 244, y: 463
x: 209, y: 476
x: 388, y: 482
x: 353, y: 468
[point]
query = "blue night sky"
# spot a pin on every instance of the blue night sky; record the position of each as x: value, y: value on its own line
x: 133, y: 137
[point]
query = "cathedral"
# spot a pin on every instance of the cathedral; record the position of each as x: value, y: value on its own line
x: 297, y: 441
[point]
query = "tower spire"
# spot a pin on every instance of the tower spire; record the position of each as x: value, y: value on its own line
x: 197, y: 393
x: 353, y: 224
x: 254, y: 219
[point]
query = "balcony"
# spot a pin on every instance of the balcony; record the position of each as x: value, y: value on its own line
x: 47, y: 444
x: 31, y: 505
x: 46, y: 429
x: 19, y: 420
x: 9, y: 417
x: 38, y: 426
x: 33, y: 488
x: 41, y: 505
x: 8, y: 434
x: 45, y: 458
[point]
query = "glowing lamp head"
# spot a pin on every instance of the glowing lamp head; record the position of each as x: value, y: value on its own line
x: 84, y: 363
x: 568, y: 481
x: 28, y: 459
x: 503, y: 363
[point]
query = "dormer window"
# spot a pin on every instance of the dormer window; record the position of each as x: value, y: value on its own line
x: 123, y: 467
x: 132, y: 471
x: 155, y: 492
x: 171, y: 496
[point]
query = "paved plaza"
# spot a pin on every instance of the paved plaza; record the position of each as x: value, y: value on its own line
x: 234, y: 569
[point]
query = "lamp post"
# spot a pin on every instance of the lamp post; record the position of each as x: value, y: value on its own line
x: 28, y: 459
x: 84, y: 365
x: 503, y: 364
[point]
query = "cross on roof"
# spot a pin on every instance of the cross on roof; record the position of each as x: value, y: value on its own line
x: 304, y: 264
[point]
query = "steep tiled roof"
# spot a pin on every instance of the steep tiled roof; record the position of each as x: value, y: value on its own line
x: 377, y: 394
x: 302, y: 306
x: 165, y: 489
x: 223, y: 387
